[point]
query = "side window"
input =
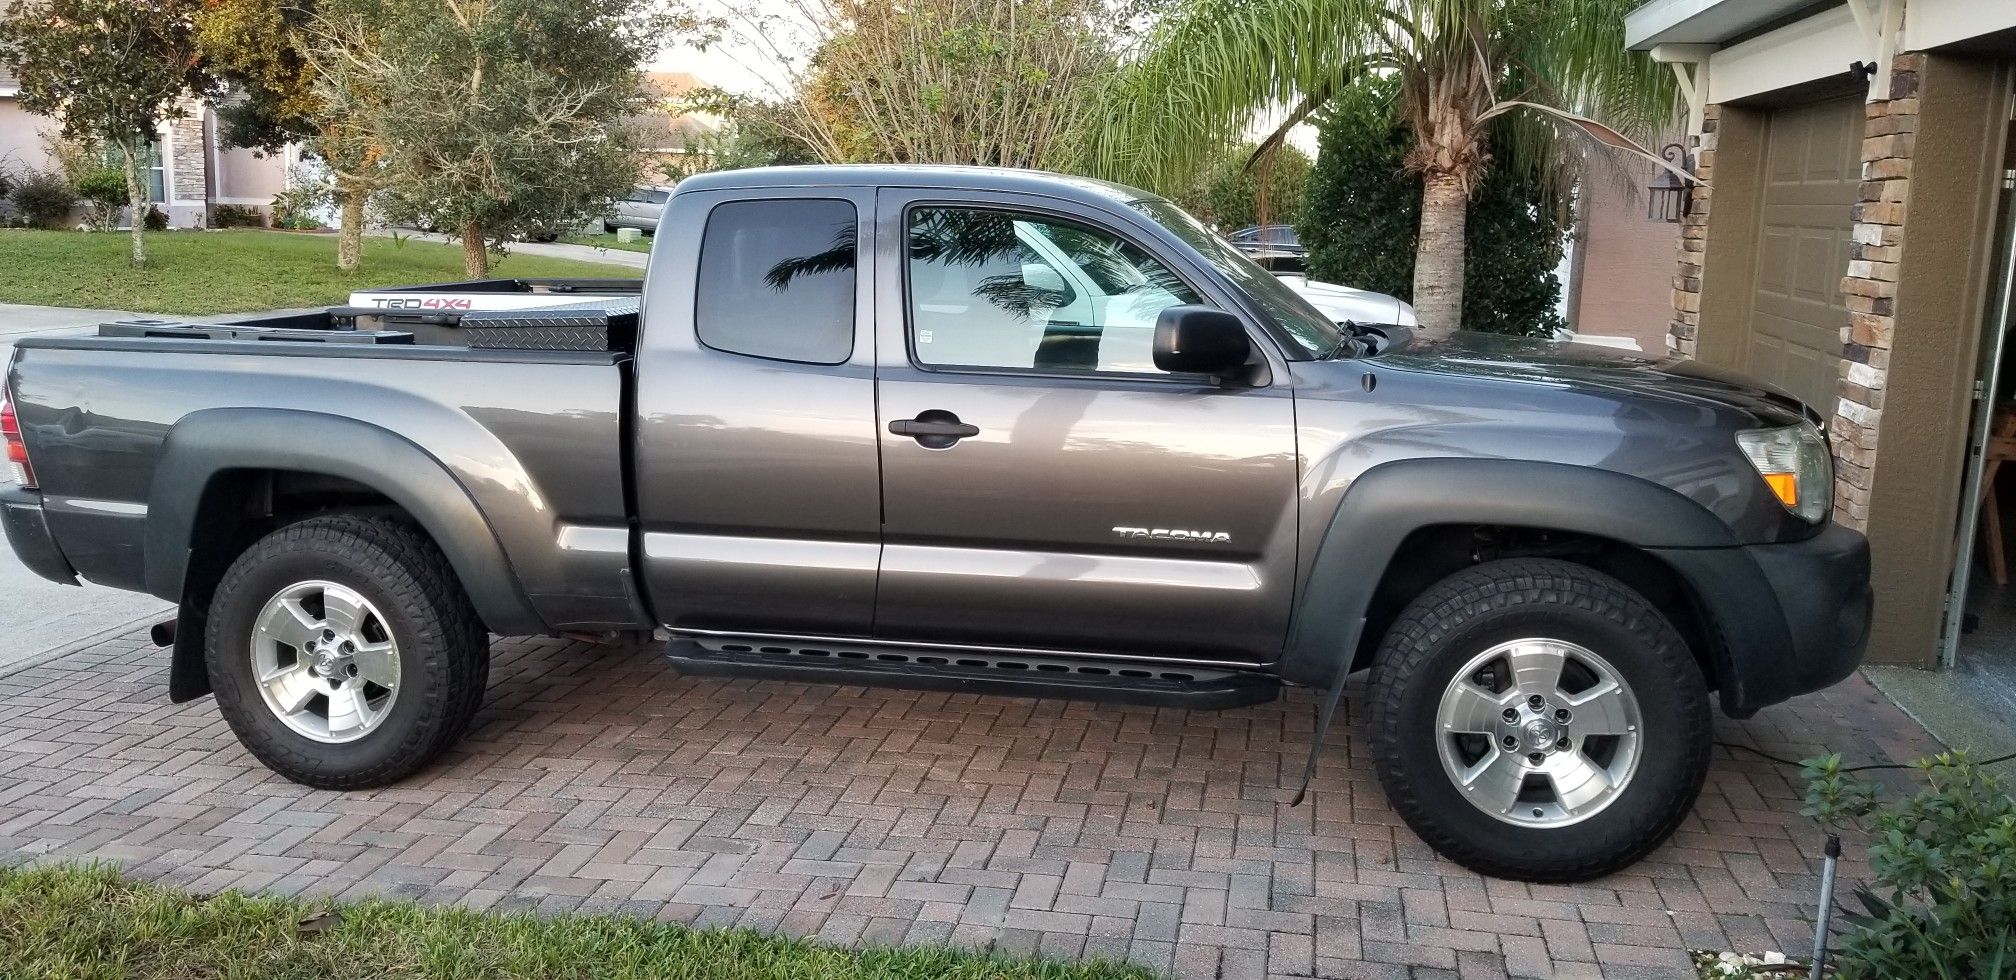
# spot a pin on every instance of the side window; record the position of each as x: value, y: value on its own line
x: 777, y: 280
x: 993, y: 289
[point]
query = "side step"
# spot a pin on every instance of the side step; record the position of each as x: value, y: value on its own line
x: 974, y: 672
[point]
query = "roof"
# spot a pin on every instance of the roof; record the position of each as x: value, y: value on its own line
x: 1706, y: 21
x: 946, y: 176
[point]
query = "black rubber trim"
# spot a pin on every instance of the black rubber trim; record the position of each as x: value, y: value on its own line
x: 972, y: 672
x: 206, y: 443
x: 1392, y: 500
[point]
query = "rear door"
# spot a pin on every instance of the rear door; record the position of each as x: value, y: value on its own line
x: 756, y: 477
x: 1097, y: 503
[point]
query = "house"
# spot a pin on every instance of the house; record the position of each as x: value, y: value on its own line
x: 668, y: 132
x: 190, y: 171
x: 1850, y: 242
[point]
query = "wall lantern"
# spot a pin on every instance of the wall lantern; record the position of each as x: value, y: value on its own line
x: 1666, y: 197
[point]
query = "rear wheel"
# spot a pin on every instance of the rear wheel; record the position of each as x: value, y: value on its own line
x: 343, y: 652
x: 1537, y: 719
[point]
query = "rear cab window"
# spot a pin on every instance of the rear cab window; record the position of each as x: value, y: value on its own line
x: 777, y: 280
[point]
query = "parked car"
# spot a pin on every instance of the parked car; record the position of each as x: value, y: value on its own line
x: 639, y: 209
x: 973, y: 430
x: 1274, y: 238
x: 1343, y: 304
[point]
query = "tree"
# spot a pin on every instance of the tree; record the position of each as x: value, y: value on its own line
x: 489, y: 118
x: 1535, y: 70
x: 1237, y: 190
x: 1011, y: 83
x: 751, y: 134
x: 110, y: 70
x: 260, y: 49
x: 1363, y: 208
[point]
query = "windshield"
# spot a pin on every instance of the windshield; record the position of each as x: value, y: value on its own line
x: 1300, y: 321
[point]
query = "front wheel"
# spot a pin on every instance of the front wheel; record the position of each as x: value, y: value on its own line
x: 1537, y: 719
x: 343, y: 652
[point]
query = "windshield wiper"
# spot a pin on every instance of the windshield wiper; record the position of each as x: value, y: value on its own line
x: 1347, y: 337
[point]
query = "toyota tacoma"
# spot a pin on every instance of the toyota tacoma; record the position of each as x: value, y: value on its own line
x: 971, y: 430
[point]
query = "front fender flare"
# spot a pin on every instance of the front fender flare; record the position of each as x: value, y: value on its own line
x: 1393, y: 500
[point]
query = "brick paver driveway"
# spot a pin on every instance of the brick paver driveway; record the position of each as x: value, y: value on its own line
x: 599, y: 781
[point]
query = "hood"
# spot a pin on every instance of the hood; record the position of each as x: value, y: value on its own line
x: 1340, y: 303
x: 1593, y: 369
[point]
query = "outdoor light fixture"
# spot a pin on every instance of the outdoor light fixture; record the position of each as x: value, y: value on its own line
x: 1667, y: 198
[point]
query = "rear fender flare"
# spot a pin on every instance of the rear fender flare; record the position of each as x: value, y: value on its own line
x: 1393, y: 500
x: 205, y: 444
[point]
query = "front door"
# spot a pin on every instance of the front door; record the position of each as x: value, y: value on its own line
x: 1044, y: 486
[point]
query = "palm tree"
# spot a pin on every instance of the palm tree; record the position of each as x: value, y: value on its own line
x: 1536, y: 70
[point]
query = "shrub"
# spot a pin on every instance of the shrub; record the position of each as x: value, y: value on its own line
x: 301, y: 206
x: 43, y: 198
x: 236, y: 216
x: 1941, y: 901
x: 104, y: 189
x: 155, y: 220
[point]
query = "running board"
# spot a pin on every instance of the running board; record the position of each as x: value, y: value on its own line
x: 974, y: 672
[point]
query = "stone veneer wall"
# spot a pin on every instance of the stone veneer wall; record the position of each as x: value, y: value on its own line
x: 188, y: 169
x: 1685, y: 330
x: 1870, y: 287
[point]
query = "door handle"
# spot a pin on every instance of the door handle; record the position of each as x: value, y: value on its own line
x: 934, y: 429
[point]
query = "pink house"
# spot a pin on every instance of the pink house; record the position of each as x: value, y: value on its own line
x: 192, y: 172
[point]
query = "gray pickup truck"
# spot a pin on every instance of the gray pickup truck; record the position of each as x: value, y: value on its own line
x: 980, y: 431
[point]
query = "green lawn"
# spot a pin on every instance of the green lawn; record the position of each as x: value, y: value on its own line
x: 231, y: 271
x: 606, y: 240
x: 91, y: 924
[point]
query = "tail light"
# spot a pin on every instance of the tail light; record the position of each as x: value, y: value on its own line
x: 17, y: 450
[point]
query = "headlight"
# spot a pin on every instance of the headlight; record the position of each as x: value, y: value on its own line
x: 1795, y: 464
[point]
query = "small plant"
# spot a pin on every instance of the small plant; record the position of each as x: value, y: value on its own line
x: 301, y: 206
x: 104, y: 193
x: 43, y: 198
x: 1941, y: 902
x: 236, y: 216
x: 156, y: 219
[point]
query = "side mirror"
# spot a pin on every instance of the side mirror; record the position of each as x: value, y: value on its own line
x: 1200, y: 340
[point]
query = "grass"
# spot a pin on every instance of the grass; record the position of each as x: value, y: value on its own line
x: 195, y: 273
x: 90, y: 923
x: 606, y: 240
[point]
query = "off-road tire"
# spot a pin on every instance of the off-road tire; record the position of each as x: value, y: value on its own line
x: 444, y: 651
x: 1472, y: 610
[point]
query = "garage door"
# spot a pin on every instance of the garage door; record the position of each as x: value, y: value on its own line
x: 1812, y: 171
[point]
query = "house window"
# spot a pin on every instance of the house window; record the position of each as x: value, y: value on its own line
x: 151, y: 170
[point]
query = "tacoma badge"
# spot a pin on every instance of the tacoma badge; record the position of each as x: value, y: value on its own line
x: 1173, y: 534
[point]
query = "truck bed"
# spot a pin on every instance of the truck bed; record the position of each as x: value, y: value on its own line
x: 537, y: 437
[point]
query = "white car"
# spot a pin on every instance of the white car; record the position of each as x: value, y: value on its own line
x: 1341, y: 303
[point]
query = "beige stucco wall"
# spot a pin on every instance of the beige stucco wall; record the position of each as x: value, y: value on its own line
x: 249, y: 178
x: 1624, y: 265
x: 21, y: 138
